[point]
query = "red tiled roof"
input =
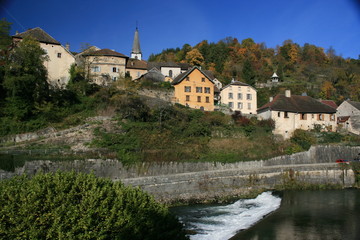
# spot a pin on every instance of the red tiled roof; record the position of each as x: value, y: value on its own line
x: 133, y: 63
x: 329, y: 103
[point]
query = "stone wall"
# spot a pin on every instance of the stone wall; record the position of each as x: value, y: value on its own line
x: 184, y: 181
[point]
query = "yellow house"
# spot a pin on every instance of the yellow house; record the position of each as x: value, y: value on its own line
x: 194, y: 89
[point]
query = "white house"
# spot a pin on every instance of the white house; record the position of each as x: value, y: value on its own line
x: 292, y: 112
x: 239, y: 97
x: 60, y: 57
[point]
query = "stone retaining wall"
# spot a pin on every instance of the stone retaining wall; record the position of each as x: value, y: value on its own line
x: 172, y: 181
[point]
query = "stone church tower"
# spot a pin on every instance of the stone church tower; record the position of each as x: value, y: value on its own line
x: 136, y: 51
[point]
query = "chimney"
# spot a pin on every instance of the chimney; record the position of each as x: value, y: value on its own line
x: 287, y: 93
x: 271, y: 99
x: 67, y: 46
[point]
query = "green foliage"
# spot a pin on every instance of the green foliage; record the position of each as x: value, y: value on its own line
x: 26, y: 79
x: 303, y: 138
x: 81, y: 206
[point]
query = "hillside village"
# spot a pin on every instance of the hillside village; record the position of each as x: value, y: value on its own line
x: 198, y: 88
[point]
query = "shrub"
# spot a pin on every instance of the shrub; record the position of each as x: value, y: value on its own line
x: 303, y: 138
x: 81, y: 206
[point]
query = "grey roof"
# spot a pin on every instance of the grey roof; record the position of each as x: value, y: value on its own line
x: 159, y: 65
x: 183, y: 75
x: 105, y: 52
x: 38, y: 34
x: 136, y: 44
x: 154, y: 76
x: 237, y: 83
x: 297, y: 104
x: 355, y: 104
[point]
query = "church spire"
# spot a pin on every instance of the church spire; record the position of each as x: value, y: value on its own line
x: 136, y: 51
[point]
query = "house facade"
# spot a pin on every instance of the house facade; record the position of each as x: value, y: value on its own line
x: 136, y: 68
x: 194, y: 89
x: 60, y: 58
x: 348, y: 114
x: 291, y: 112
x: 105, y: 66
x: 239, y: 97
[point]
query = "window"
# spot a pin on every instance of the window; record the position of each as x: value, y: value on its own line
x: 114, y: 78
x: 207, y: 90
x: 230, y: 95
x: 332, y: 117
x: 303, y: 116
x: 286, y: 115
x: 199, y: 89
x: 249, y: 106
x: 231, y: 104
x: 187, y: 98
x: 115, y: 69
x: 203, y: 79
x: 187, y: 79
x: 170, y: 73
x: 239, y: 96
x: 207, y: 99
x: 187, y: 89
x: 240, y: 105
x: 59, y: 55
x: 320, y: 117
x: 199, y: 98
x: 95, y: 69
x: 248, y: 96
x: 279, y: 114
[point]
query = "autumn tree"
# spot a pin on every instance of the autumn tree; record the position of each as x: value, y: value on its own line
x: 194, y: 57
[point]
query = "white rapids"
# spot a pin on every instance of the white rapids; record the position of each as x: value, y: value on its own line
x: 223, y: 222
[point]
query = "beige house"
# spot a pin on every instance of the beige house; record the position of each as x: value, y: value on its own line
x: 239, y: 97
x: 292, y: 112
x: 60, y: 57
x: 194, y: 89
x: 136, y: 68
x: 104, y: 66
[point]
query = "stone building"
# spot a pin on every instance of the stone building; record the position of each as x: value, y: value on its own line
x: 292, y: 112
x: 105, y: 66
x: 60, y: 57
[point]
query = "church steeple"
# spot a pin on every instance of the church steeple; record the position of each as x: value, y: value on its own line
x: 136, y: 51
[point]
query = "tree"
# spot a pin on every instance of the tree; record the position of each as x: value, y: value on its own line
x: 194, y: 57
x: 81, y: 206
x: 25, y: 79
x: 248, y: 73
x: 5, y: 42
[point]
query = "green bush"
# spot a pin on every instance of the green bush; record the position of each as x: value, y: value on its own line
x: 81, y: 206
x: 303, y: 138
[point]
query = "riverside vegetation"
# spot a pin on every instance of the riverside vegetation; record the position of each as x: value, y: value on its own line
x: 81, y: 206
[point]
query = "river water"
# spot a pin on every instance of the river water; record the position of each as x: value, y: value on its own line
x: 295, y: 215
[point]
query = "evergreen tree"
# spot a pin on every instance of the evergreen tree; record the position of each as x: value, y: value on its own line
x: 248, y: 73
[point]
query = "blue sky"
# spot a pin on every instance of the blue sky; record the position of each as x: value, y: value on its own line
x: 170, y: 24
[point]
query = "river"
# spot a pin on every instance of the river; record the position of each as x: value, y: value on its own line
x: 296, y: 215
